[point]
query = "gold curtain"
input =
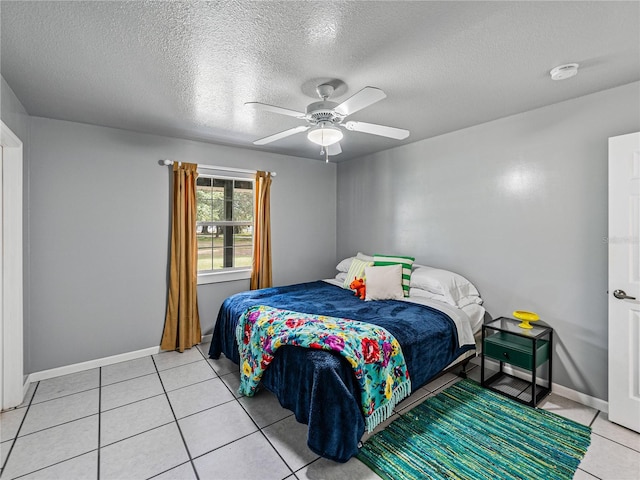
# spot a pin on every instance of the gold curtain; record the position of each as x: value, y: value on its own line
x: 182, y: 323
x: 261, y: 272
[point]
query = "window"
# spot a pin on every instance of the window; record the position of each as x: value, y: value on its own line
x: 224, y: 224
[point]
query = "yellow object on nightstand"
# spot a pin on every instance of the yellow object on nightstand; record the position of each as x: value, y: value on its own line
x: 526, y: 317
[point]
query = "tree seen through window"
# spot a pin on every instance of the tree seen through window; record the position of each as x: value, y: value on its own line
x: 224, y: 223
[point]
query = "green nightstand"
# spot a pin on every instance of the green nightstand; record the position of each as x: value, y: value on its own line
x: 504, y: 341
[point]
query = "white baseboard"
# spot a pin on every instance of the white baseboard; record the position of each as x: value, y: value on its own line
x: 98, y: 362
x: 582, y: 398
x: 563, y: 391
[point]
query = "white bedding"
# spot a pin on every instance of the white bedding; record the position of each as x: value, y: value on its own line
x: 462, y: 318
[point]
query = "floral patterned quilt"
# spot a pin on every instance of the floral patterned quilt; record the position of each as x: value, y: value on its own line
x: 373, y: 353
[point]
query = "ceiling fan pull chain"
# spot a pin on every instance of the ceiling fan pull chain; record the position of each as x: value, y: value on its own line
x: 326, y: 153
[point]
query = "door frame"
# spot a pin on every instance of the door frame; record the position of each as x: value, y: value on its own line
x: 12, y: 385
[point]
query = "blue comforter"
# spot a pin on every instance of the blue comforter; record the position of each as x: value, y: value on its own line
x: 319, y: 386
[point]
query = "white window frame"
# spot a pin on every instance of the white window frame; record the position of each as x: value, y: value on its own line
x: 229, y: 274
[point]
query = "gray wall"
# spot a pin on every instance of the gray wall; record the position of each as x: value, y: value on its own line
x: 16, y: 118
x: 517, y: 205
x: 13, y: 113
x: 99, y: 222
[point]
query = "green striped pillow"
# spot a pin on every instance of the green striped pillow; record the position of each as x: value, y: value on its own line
x: 356, y: 270
x: 406, y: 262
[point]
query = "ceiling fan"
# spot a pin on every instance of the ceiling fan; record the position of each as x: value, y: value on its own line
x: 324, y: 119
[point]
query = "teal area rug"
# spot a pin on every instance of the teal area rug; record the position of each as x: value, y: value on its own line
x: 468, y: 432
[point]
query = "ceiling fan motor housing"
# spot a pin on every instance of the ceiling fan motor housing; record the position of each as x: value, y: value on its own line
x: 318, y: 112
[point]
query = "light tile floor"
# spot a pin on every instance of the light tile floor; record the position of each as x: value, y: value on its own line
x: 177, y: 416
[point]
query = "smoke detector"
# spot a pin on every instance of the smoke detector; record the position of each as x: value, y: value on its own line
x: 562, y: 72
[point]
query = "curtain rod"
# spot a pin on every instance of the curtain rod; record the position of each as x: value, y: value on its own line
x: 213, y: 167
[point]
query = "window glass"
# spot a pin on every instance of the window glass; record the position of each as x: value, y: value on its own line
x: 224, y: 223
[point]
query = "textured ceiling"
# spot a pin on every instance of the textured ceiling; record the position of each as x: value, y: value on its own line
x: 185, y: 69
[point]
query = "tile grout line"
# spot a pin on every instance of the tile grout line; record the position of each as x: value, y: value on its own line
x: 162, y: 393
x: 615, y: 441
x: 305, y: 466
x: 205, y: 409
x: 100, y: 405
x: 588, y: 473
x: 257, y: 426
x: 228, y: 387
x: 191, y: 384
x: 54, y: 464
x: 99, y: 417
x: 225, y: 444
x: 225, y: 403
x: 593, y: 420
x: 264, y: 434
x: 127, y: 379
x: 169, y: 469
x: 138, y: 434
x: 15, y: 439
x: 66, y: 395
x: 201, y: 352
x: 153, y: 428
x: 131, y: 403
x: 184, y: 441
x: 177, y: 366
x: 31, y: 402
x: 26, y: 435
x: 248, y: 414
x: 277, y: 421
x: 206, y: 359
x: 194, y: 346
x: 54, y: 426
x: 211, y: 365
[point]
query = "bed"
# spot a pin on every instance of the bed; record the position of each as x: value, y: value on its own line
x: 319, y: 386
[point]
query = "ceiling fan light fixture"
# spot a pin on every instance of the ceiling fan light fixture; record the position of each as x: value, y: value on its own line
x: 325, y: 135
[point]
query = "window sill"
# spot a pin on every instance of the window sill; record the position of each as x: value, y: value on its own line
x: 228, y: 276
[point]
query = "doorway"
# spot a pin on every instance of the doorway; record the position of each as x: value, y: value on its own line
x: 12, y: 383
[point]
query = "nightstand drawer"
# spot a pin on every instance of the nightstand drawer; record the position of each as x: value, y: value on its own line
x: 515, y: 350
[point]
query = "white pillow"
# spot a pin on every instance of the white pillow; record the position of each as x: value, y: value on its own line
x: 365, y: 257
x: 384, y: 283
x: 344, y: 265
x: 418, y: 292
x: 455, y: 288
x: 341, y: 277
x: 463, y: 302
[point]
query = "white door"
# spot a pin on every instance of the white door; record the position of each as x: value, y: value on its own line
x: 624, y: 280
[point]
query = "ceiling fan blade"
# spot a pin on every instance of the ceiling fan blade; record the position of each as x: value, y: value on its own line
x: 334, y: 149
x: 274, y: 109
x: 278, y: 136
x: 365, y: 97
x: 382, y: 130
